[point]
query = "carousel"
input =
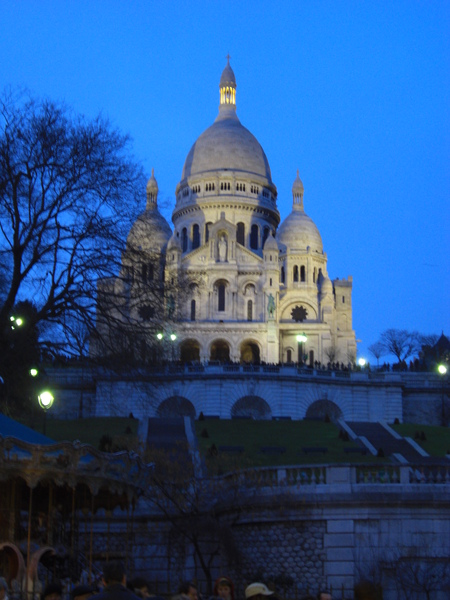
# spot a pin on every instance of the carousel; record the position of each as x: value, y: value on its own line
x: 64, y: 508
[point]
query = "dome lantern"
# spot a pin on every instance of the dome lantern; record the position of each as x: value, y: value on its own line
x: 152, y: 192
x: 227, y: 86
x: 297, y: 193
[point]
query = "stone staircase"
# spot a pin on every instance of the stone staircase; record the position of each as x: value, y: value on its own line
x: 380, y: 437
x: 166, y: 433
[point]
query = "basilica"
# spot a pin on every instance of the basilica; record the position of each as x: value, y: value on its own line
x: 229, y: 282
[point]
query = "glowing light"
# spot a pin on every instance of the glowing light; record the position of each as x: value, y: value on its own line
x: 45, y: 399
x: 442, y: 369
x: 33, y: 372
x: 302, y: 338
x: 173, y: 337
x: 362, y: 362
x: 160, y: 336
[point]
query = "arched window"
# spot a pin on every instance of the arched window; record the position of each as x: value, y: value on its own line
x: 184, y: 239
x: 250, y: 310
x: 192, y: 310
x: 282, y: 275
x: 314, y: 275
x: 254, y: 237
x: 207, y: 228
x: 240, y: 234
x: 295, y: 277
x: 265, y: 235
x: 195, y: 236
x: 302, y: 273
x: 221, y: 296
x: 311, y: 358
x: 289, y: 356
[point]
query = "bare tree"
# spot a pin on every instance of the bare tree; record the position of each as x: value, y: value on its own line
x: 400, y: 342
x: 331, y: 352
x: 377, y: 350
x: 68, y: 195
x: 191, y: 503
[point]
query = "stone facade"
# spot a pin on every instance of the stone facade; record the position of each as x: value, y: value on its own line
x: 306, y: 532
x: 259, y: 391
x: 230, y: 281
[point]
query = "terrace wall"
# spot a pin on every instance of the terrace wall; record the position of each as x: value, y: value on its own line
x: 214, y: 389
x: 315, y: 527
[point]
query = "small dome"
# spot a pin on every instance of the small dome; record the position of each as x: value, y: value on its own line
x: 298, y: 231
x: 271, y: 244
x: 326, y: 286
x: 150, y: 232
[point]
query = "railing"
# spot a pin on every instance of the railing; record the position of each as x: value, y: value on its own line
x: 421, y: 380
x: 308, y: 476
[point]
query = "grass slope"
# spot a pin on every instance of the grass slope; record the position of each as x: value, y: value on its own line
x: 291, y: 435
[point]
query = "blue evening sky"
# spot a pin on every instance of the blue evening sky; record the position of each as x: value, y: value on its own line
x: 354, y: 94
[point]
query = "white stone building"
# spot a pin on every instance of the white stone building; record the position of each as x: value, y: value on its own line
x: 230, y: 281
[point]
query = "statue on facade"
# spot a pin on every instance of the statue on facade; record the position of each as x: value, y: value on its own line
x: 271, y: 306
x: 222, y: 249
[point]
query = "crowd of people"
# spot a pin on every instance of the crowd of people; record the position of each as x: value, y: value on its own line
x: 113, y: 585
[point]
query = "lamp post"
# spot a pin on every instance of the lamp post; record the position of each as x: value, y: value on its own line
x: 301, y: 339
x: 172, y: 338
x: 362, y: 362
x: 442, y: 370
x: 45, y: 400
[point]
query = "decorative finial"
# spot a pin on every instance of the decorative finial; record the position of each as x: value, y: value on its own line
x: 228, y: 58
x: 298, y: 173
x: 153, y: 172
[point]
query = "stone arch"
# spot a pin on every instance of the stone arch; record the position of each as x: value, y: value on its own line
x: 189, y: 351
x: 251, y: 406
x: 250, y: 352
x: 220, y: 350
x: 176, y: 406
x: 320, y: 409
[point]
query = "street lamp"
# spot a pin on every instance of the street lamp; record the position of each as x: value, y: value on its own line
x: 301, y: 339
x: 362, y: 362
x: 15, y: 321
x: 442, y: 370
x: 173, y: 338
x: 45, y: 400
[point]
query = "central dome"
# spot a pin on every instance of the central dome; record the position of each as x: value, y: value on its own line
x: 227, y: 145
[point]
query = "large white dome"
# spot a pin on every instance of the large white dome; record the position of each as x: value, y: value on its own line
x: 227, y: 145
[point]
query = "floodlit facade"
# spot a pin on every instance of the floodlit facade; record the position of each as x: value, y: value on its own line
x: 230, y: 281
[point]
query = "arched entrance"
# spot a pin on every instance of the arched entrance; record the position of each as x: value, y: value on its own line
x: 250, y: 353
x: 189, y: 351
x: 251, y: 406
x: 176, y: 406
x: 220, y: 350
x: 321, y: 409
